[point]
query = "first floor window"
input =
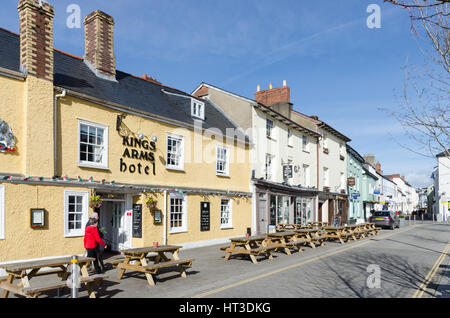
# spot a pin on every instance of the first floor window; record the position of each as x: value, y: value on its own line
x: 2, y: 212
x: 305, y: 143
x: 175, y: 158
x: 225, y: 213
x: 75, y: 212
x: 177, y: 213
x: 93, y: 144
x: 305, y: 175
x: 222, y: 161
x: 269, y: 127
x: 268, y: 167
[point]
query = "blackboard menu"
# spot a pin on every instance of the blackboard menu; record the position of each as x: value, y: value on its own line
x: 205, y: 219
x: 137, y: 220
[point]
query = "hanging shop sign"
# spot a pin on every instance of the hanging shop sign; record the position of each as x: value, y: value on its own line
x: 7, y: 139
x: 287, y: 171
x: 351, y: 182
x: 141, y: 150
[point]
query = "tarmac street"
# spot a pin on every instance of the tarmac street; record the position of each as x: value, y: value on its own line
x: 409, y: 262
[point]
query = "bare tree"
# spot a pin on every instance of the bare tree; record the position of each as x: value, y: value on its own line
x: 424, y: 108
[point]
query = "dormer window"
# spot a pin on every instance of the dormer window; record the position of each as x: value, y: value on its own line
x: 198, y: 109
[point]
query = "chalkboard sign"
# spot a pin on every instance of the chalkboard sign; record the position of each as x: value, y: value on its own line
x: 205, y: 219
x: 137, y: 220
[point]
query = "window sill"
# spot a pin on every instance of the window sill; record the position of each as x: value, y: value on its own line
x: 92, y: 166
x: 290, y: 146
x: 74, y: 235
x: 305, y: 151
x: 223, y: 175
x: 177, y: 231
x: 227, y: 228
x: 175, y: 168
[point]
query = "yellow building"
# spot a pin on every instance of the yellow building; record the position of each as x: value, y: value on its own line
x: 167, y: 166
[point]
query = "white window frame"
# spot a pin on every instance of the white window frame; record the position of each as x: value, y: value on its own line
x: 269, y: 128
x: 183, y: 228
x: 180, y: 165
x: 2, y: 212
x: 228, y: 225
x: 290, y: 137
x: 226, y: 171
x: 305, y: 144
x: 89, y: 164
x: 305, y: 175
x: 269, y: 170
x: 325, y: 141
x: 326, y: 177
x: 197, y: 109
x: 84, y: 217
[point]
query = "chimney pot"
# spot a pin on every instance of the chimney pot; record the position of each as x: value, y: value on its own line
x: 258, y: 88
x: 270, y: 86
x: 284, y: 83
x: 36, y: 38
x: 99, y: 44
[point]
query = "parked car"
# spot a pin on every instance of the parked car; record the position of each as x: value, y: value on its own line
x: 385, y: 219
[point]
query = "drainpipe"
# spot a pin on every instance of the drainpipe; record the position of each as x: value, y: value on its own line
x: 55, y: 132
x: 165, y: 218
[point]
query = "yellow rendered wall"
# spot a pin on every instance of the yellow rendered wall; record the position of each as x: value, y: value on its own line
x: 11, y: 111
x: 241, y: 215
x: 197, y: 175
x: 22, y: 241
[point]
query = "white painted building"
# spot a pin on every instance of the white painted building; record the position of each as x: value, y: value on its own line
x: 442, y: 187
x: 284, y: 157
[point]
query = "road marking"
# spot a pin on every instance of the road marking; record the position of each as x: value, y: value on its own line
x: 249, y: 280
x: 420, y: 291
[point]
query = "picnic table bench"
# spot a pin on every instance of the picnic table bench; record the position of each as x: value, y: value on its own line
x: 311, y: 236
x: 252, y: 246
x: 141, y: 261
x: 26, y: 271
x: 286, y: 240
x: 338, y: 232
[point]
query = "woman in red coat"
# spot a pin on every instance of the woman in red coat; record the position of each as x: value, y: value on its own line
x: 91, y: 239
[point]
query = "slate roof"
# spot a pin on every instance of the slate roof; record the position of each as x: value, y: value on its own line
x: 72, y: 73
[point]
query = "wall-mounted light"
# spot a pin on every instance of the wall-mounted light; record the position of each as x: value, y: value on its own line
x: 155, y: 139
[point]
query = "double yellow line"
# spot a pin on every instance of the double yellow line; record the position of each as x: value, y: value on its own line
x: 419, y: 292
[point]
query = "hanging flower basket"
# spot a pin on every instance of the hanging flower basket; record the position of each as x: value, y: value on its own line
x: 95, y: 202
x: 151, y: 203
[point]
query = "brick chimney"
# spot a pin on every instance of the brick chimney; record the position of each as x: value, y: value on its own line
x: 99, y: 44
x: 36, y: 38
x: 370, y: 159
x: 277, y: 98
x: 378, y: 168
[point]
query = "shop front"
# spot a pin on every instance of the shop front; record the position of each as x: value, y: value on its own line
x: 333, y: 208
x: 282, y: 204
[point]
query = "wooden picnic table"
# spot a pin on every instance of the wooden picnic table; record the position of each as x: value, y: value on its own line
x: 252, y: 246
x: 25, y: 271
x: 141, y: 259
x: 312, y: 236
x: 285, y: 240
x: 338, y: 232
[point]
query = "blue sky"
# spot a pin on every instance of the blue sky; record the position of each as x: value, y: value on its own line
x: 337, y: 68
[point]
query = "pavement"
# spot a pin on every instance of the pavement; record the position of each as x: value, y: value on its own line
x: 393, y: 264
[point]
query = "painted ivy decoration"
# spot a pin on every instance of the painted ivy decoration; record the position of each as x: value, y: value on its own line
x: 7, y: 139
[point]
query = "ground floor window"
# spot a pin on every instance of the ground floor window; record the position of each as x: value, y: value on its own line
x: 304, y: 210
x: 226, y: 213
x: 177, y: 209
x: 75, y: 212
x: 2, y: 212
